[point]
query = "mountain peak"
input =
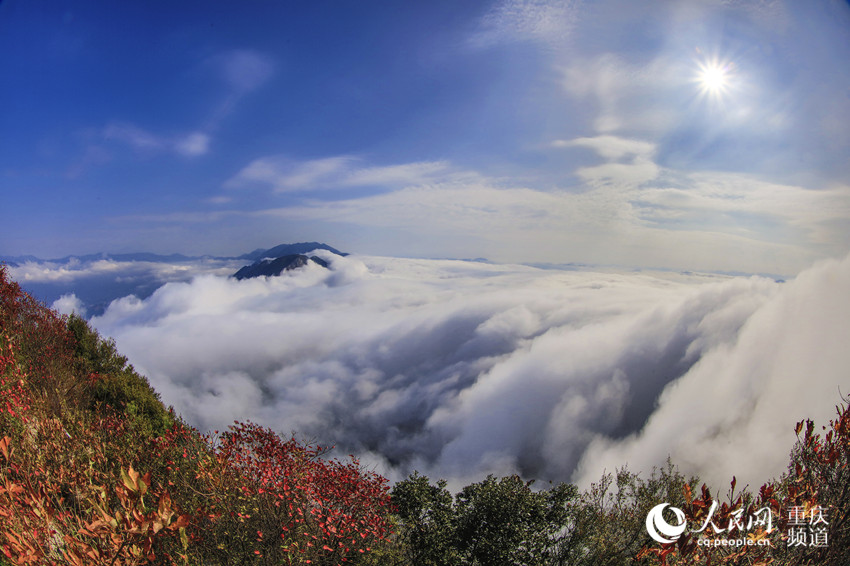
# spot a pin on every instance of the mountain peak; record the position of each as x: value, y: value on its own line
x: 300, y: 248
x: 272, y: 267
x: 285, y: 257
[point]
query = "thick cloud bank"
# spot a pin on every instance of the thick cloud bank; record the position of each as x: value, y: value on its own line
x: 459, y: 369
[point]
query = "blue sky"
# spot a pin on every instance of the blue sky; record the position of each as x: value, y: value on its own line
x: 522, y: 131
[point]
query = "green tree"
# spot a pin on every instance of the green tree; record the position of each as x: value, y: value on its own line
x: 504, y: 521
x: 427, y: 516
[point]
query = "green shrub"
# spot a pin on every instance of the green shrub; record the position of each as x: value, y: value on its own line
x: 115, y: 385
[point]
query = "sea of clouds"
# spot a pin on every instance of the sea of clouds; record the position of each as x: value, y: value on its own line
x: 459, y: 369
x: 88, y: 285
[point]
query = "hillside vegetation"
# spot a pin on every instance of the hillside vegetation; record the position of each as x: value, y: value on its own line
x: 95, y: 470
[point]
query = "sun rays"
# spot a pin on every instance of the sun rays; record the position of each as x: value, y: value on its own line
x: 715, y: 79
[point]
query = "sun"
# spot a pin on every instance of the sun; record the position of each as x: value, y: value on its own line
x: 715, y: 78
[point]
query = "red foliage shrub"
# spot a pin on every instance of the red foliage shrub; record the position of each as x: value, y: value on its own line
x: 325, y: 510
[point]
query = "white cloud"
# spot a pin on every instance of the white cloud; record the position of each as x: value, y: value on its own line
x: 612, y: 147
x: 731, y: 411
x: 74, y: 270
x: 69, y: 304
x: 780, y: 213
x: 40, y: 272
x: 460, y: 369
x: 635, y: 173
x: 639, y: 169
x: 87, y: 285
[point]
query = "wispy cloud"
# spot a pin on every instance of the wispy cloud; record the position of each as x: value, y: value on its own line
x: 523, y: 20
x: 612, y: 147
x: 244, y: 70
x: 401, y: 175
x: 283, y: 174
x: 627, y: 210
x: 193, y: 144
x: 637, y: 168
x: 619, y: 87
x: 730, y: 193
x: 220, y: 199
x: 133, y: 136
x: 631, y: 208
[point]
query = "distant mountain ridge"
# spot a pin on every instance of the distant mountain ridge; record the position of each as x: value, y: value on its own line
x: 125, y: 257
x: 258, y: 254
